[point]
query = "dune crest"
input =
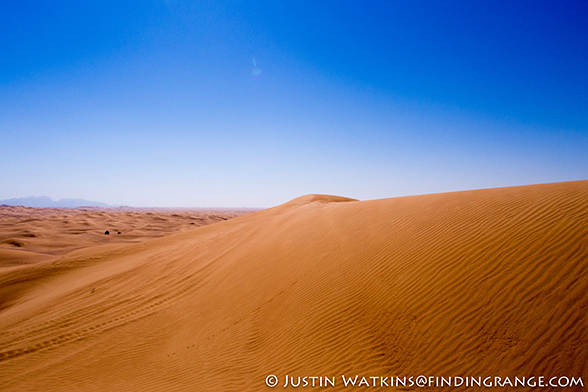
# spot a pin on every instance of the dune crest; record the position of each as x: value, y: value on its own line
x: 489, y: 282
x: 315, y: 198
x: 320, y: 198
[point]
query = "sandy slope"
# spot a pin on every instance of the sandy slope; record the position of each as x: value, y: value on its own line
x: 490, y: 282
x: 28, y: 235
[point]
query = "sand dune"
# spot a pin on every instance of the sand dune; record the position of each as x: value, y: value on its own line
x: 479, y: 283
x: 29, y: 235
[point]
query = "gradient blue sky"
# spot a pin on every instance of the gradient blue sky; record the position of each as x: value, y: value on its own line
x: 159, y: 103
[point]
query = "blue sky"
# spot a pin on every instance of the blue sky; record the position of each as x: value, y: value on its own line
x: 250, y: 104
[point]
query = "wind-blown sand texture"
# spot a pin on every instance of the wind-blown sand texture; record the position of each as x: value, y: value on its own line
x: 490, y: 282
x: 29, y: 235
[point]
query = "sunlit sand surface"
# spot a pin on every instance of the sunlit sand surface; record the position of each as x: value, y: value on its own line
x: 489, y: 282
x: 29, y: 235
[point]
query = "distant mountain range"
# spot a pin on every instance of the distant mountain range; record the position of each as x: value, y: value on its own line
x: 47, y: 202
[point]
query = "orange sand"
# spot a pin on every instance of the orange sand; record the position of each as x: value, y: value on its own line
x: 490, y: 282
x: 29, y: 235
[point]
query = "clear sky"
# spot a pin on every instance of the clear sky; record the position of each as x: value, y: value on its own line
x: 253, y: 103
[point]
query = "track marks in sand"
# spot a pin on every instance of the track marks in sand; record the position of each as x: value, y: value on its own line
x: 481, y: 282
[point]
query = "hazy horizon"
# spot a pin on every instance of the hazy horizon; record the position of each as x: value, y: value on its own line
x: 210, y: 104
x: 97, y: 203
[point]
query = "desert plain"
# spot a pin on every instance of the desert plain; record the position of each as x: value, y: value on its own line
x: 489, y: 282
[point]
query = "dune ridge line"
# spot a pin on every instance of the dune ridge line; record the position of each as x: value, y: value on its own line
x: 486, y: 282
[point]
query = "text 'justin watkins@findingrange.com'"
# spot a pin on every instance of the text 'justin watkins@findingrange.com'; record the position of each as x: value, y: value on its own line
x: 424, y: 381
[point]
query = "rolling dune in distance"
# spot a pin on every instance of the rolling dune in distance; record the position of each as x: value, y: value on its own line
x: 490, y: 282
x: 28, y: 235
